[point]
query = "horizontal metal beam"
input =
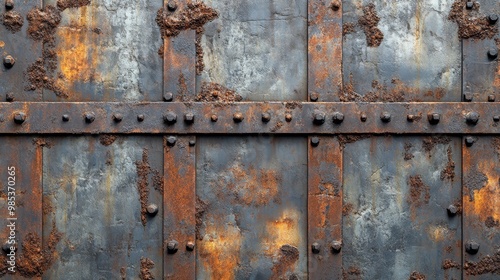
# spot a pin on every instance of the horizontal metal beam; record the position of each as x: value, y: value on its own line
x: 248, y: 118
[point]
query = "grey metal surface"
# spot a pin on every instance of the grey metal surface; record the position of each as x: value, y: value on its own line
x: 396, y: 194
x: 93, y: 195
x: 418, y: 59
x: 257, y: 48
x: 251, y: 208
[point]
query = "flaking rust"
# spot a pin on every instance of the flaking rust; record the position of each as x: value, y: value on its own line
x: 144, y: 170
x: 369, y: 22
x: 212, y: 92
x: 486, y: 265
x: 194, y: 16
x: 146, y: 266
x: 13, y: 21
x: 471, y: 24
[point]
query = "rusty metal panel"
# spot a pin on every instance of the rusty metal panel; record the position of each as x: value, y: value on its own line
x: 251, y: 208
x: 101, y: 50
x: 21, y: 168
x: 16, y: 42
x: 400, y: 51
x: 481, y: 43
x: 179, y: 210
x: 98, y: 194
x: 324, y: 208
x: 257, y: 48
x: 481, y: 204
x: 325, y: 50
x: 397, y: 192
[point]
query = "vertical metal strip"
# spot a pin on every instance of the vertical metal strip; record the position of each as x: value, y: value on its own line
x: 324, y: 50
x: 179, y: 207
x: 324, y: 208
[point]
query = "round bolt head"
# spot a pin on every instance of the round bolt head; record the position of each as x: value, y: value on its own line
x: 319, y: 118
x: 238, y: 117
x: 338, y: 118
x: 315, y: 248
x: 152, y: 209
x: 452, y: 210
x: 491, y: 98
x: 385, y: 117
x: 496, y: 118
x: 9, y: 97
x: 172, y: 6
x: 315, y: 141
x: 6, y: 247
x: 363, y: 117
x: 140, y: 118
x: 65, y: 118
x: 9, y: 61
x: 189, y: 118
x: 336, y: 5
x: 492, y: 19
x: 117, y: 117
x: 192, y: 143
x: 410, y: 118
x: 434, y: 118
x: 172, y: 247
x: 314, y: 97
x: 266, y: 117
x: 168, y: 96
x: 170, y: 118
x: 288, y: 117
x: 472, y: 118
x: 89, y: 117
x: 9, y: 4
x: 469, y: 5
x: 468, y: 96
x: 171, y: 140
x: 336, y: 246
x: 469, y: 141
x: 19, y: 117
x: 472, y: 247
x: 190, y: 246
x: 214, y: 118
x: 493, y: 53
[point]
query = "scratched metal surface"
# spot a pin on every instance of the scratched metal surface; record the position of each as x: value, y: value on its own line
x: 258, y: 48
x: 418, y: 59
x: 91, y: 196
x: 393, y: 225
x: 251, y: 208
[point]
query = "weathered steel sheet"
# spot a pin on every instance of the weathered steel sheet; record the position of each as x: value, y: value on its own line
x: 21, y: 168
x: 400, y: 51
x: 324, y: 208
x: 250, y: 118
x: 481, y: 215
x: 97, y: 193
x: 103, y: 50
x: 15, y: 42
x: 257, y: 48
x: 251, y: 209
x: 396, y: 194
x: 481, y: 66
x: 325, y: 50
x: 179, y: 212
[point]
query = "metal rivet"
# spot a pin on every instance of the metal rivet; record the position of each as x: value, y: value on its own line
x: 496, y: 118
x: 338, y: 118
x: 168, y: 96
x: 266, y: 117
x: 117, y: 117
x: 172, y: 6
x: 315, y: 248
x: 192, y: 143
x: 469, y: 5
x: 190, y: 246
x: 336, y: 246
x: 172, y: 247
x: 434, y: 118
x: 410, y: 118
x: 472, y: 247
x: 152, y: 209
x: 314, y: 97
x: 170, y: 118
x: 493, y: 53
x: 238, y: 117
x: 492, y: 19
x: 314, y: 141
x: 385, y: 117
x: 9, y: 61
x: 140, y: 118
x: 319, y: 118
x: 214, y: 118
x: 171, y: 140
x: 472, y: 118
x: 89, y: 117
x: 336, y: 5
x: 65, y: 118
x: 189, y: 118
x: 469, y: 141
x: 288, y: 117
x: 452, y: 210
x: 363, y: 117
x: 19, y: 117
x: 6, y: 247
x: 468, y: 96
x: 9, y: 97
x: 491, y: 98
x: 9, y: 4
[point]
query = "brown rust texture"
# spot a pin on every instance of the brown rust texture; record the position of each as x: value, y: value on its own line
x: 65, y: 4
x: 201, y: 209
x: 407, y: 155
x: 146, y: 266
x: 471, y: 24
x: 486, y: 265
x: 347, y: 209
x: 419, y: 193
x: 13, y: 21
x: 347, y: 138
x: 449, y: 264
x: 490, y: 222
x: 369, y: 22
x: 448, y: 173
x: 428, y: 143
x: 348, y: 28
x: 474, y: 182
x: 144, y: 170
x: 254, y: 187
x: 212, y: 92
x: 496, y: 82
x: 352, y: 272
x: 415, y: 275
x: 42, y: 142
x: 288, y: 257
x: 107, y: 139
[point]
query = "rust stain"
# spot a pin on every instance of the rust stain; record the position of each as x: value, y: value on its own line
x: 474, y: 182
x: 448, y: 173
x: 369, y: 22
x: 123, y: 273
x: 449, y: 264
x: 487, y: 264
x: 346, y: 139
x: 348, y: 28
x: 144, y: 170
x: 13, y: 21
x: 418, y: 195
x: 438, y: 233
x: 407, y: 152
x: 286, y: 262
x: 347, y: 209
x: 201, y: 208
x: 254, y: 187
x: 471, y: 24
x: 428, y: 143
x: 146, y: 266
x: 282, y: 231
x: 352, y: 272
x: 107, y: 139
x: 415, y: 275
x: 212, y: 92
x: 65, y: 4
x: 496, y: 82
x: 41, y: 142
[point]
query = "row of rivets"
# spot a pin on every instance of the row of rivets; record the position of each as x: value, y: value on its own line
x: 335, y: 247
x: 173, y: 246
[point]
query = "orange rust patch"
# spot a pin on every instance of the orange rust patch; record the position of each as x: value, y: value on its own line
x: 471, y: 24
x: 41, y: 142
x: 146, y: 265
x: 144, y: 170
x: 212, y: 92
x: 287, y: 259
x: 256, y: 187
x: 13, y: 21
x: 282, y: 231
x: 418, y: 195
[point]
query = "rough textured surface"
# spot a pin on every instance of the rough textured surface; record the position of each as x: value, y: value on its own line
x: 419, y: 50
x: 258, y: 48
x: 471, y: 24
x: 211, y: 92
x: 398, y: 209
x: 13, y: 21
x: 369, y: 22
